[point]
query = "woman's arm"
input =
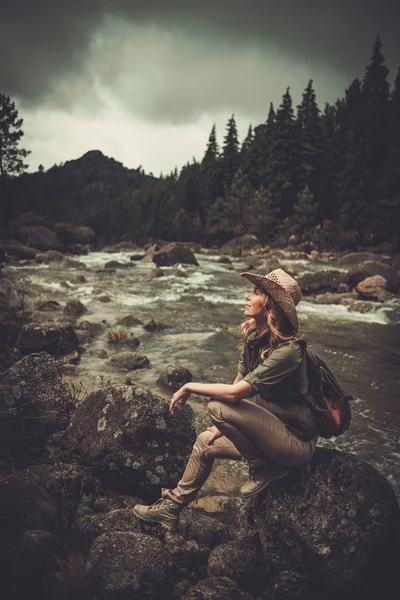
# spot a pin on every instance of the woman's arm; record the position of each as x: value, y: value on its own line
x: 220, y: 391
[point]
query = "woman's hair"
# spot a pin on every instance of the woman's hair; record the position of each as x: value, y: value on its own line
x: 279, y: 327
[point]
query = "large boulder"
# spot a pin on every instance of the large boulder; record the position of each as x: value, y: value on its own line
x: 374, y: 288
x: 129, y: 565
x: 366, y: 269
x: 174, y: 253
x: 129, y: 436
x: 49, y: 256
x: 39, y: 237
x: 174, y: 377
x: 216, y: 588
x: 20, y: 251
x: 74, y: 234
x: 244, y: 243
x: 356, y: 258
x: 336, y: 519
x: 55, y: 338
x: 43, y: 497
x: 321, y: 281
x: 34, y: 403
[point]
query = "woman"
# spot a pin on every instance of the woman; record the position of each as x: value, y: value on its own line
x: 261, y: 417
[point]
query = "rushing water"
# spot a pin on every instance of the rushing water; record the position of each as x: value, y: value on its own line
x: 203, y: 307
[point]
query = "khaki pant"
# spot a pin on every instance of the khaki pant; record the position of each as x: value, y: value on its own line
x: 250, y: 432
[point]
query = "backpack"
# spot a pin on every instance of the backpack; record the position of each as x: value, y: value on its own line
x: 328, y: 401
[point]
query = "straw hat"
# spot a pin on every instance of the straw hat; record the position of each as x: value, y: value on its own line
x: 282, y: 288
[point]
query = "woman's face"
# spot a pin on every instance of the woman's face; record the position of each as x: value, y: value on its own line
x: 255, y: 304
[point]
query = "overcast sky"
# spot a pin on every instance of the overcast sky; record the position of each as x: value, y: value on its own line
x: 144, y: 80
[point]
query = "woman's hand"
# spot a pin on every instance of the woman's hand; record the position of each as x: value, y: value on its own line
x: 180, y: 397
x: 215, y: 434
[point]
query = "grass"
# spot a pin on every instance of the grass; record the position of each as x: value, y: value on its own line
x: 117, y: 335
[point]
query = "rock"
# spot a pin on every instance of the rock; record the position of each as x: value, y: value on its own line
x: 48, y: 305
x: 336, y: 518
x: 179, y: 273
x: 153, y: 326
x: 76, y: 264
x: 114, y: 264
x: 39, y: 237
x: 194, y: 525
x: 361, y: 307
x: 129, y: 436
x: 84, y: 337
x: 216, y: 588
x: 106, y: 504
x: 211, y: 504
x: 189, y: 555
x: 34, y: 400
x: 237, y: 518
x: 246, y: 242
x: 49, y: 336
x: 129, y: 321
x: 130, y: 565
x: 91, y: 526
x: 136, y: 256
x: 126, y: 246
x: 129, y: 360
x: 289, y: 585
x: 355, y: 258
x: 20, y: 251
x: 173, y: 254
x: 43, y: 497
x: 95, y: 329
x: 104, y: 298
x: 156, y: 273
x: 323, y: 281
x: 343, y: 288
x: 28, y: 563
x: 11, y: 296
x: 240, y: 560
x: 74, y: 309
x: 79, y: 278
x: 74, y: 234
x: 49, y: 256
x: 174, y: 377
x: 328, y: 298
x: 374, y: 288
x: 367, y: 269
x: 224, y: 260
x: 98, y: 353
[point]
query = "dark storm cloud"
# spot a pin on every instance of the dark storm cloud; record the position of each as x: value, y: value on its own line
x: 44, y: 42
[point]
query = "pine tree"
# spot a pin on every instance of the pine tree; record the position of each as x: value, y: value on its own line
x: 284, y: 162
x: 311, y: 145
x: 305, y: 216
x: 263, y: 217
x: 212, y: 152
x: 11, y: 156
x: 211, y: 171
x: 231, y: 154
x: 255, y: 160
x: 247, y: 142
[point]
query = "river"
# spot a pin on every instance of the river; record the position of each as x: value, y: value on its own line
x: 203, y: 307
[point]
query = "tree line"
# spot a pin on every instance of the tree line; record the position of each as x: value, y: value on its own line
x: 305, y: 172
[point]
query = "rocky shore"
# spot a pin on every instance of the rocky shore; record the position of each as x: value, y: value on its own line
x: 72, y: 467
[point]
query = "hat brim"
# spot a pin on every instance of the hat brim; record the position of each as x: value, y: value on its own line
x: 278, y: 293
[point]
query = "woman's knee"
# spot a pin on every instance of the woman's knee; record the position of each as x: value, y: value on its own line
x: 201, y: 442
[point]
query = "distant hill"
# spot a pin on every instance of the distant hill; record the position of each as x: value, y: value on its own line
x: 84, y: 191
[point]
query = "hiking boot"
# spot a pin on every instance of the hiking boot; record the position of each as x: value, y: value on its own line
x: 261, y: 477
x: 163, y: 511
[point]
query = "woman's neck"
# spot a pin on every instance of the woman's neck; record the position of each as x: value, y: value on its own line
x: 261, y: 327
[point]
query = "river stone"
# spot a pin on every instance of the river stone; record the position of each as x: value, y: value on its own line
x: 43, y: 497
x: 240, y: 560
x: 129, y: 360
x: 129, y: 321
x: 74, y: 309
x: 336, y: 519
x: 216, y: 588
x: 95, y: 329
x: 173, y: 254
x: 321, y: 281
x: 356, y: 258
x: 367, y: 269
x: 174, y: 378
x: 374, y: 288
x: 90, y: 526
x: 129, y: 565
x: 98, y: 353
x: 154, y: 326
x: 129, y: 436
x: 20, y: 251
x: 49, y: 256
x: 48, y: 306
x: 33, y: 391
x: 49, y: 336
x: 155, y: 273
x: 329, y: 298
x: 104, y: 298
x: 39, y: 237
x: 289, y: 585
x: 136, y: 256
x: 245, y: 242
x: 74, y: 234
x: 194, y: 525
x: 114, y: 264
x: 224, y: 260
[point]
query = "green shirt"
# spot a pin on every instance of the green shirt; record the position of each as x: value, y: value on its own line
x: 279, y: 383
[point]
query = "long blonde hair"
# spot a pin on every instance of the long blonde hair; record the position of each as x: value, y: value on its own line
x: 278, y: 326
